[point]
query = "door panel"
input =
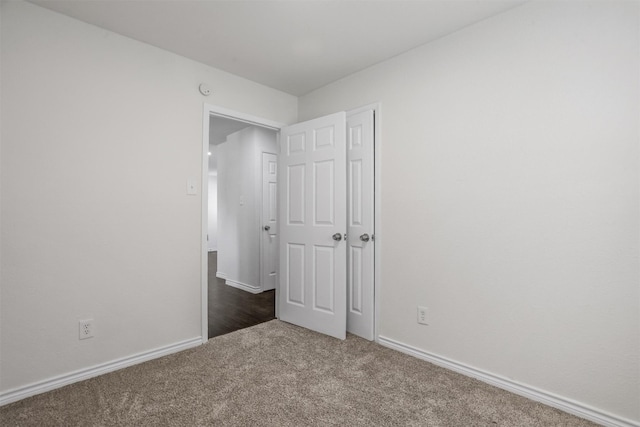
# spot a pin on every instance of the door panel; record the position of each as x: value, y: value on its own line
x: 313, y: 264
x: 324, y: 280
x: 355, y: 192
x: 355, y: 281
x: 323, y: 193
x: 360, y: 320
x: 269, y: 253
x: 295, y: 194
x: 295, y: 278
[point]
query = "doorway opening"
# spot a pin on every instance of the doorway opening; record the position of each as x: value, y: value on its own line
x: 241, y: 225
x: 316, y: 277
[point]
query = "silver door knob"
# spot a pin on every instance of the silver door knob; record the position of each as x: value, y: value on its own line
x: 337, y: 237
x: 364, y: 237
x: 267, y: 228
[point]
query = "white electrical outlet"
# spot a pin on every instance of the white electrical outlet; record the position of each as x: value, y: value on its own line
x: 86, y: 328
x: 422, y: 315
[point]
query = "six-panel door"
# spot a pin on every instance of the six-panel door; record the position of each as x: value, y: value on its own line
x: 360, y: 248
x: 312, y: 182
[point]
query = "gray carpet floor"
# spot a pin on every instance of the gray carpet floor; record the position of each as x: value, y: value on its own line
x: 276, y: 374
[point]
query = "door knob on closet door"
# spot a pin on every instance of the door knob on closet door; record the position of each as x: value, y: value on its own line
x: 267, y: 228
x: 337, y: 237
x: 364, y: 237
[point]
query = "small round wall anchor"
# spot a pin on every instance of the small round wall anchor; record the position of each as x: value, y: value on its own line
x: 204, y: 89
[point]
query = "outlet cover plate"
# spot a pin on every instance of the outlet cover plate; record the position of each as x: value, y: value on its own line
x: 85, y: 329
x: 422, y: 315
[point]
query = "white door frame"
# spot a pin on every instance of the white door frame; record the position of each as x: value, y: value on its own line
x: 214, y: 110
x: 208, y: 111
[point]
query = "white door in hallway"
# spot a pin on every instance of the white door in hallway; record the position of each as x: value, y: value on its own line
x: 360, y: 221
x: 312, y: 182
x: 269, y: 235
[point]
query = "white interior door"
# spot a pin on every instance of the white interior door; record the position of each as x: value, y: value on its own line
x: 312, y: 181
x: 269, y: 253
x: 360, y: 244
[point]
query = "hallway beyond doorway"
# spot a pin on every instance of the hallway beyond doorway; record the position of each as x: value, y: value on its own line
x: 231, y: 309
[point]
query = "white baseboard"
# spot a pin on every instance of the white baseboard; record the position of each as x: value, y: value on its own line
x: 238, y: 285
x: 564, y: 404
x: 243, y: 286
x: 94, y: 371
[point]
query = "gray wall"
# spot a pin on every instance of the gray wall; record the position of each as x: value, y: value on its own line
x: 99, y: 136
x: 510, y: 197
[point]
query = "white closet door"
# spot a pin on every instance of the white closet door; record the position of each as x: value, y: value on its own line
x: 360, y: 244
x: 269, y: 253
x: 313, y: 261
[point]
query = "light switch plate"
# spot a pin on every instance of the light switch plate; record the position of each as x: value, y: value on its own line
x: 191, y: 187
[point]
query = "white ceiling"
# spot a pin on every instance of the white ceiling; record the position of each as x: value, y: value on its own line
x: 292, y: 45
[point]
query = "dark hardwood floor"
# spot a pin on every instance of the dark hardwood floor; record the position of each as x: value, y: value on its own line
x: 231, y: 309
